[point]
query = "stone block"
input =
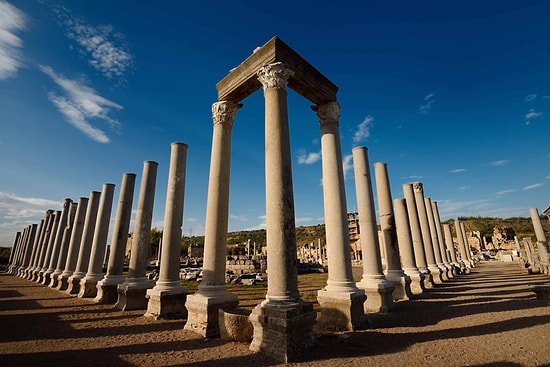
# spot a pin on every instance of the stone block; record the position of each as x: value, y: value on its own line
x: 235, y: 325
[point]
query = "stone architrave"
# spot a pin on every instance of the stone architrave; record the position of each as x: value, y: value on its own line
x: 131, y: 293
x: 212, y: 295
x: 542, y: 243
x: 426, y: 235
x: 85, y: 244
x: 341, y: 301
x: 462, y: 248
x: 56, y: 248
x: 64, y: 248
x: 51, y: 243
x: 435, y: 240
x: 450, y: 246
x: 88, y: 284
x: 107, y: 287
x: 467, y: 245
x: 74, y: 244
x: 404, y: 240
x: 445, y: 256
x: 167, y: 297
x: 394, y: 270
x: 377, y: 288
x: 416, y: 236
x: 42, y: 245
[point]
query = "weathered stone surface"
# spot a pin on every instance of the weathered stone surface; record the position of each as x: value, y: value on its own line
x: 235, y: 325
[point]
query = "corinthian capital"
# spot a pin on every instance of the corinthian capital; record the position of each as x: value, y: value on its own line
x: 327, y: 112
x: 274, y: 75
x: 224, y: 112
x: 418, y: 187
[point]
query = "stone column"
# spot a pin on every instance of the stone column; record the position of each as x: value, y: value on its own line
x: 341, y: 301
x: 467, y: 245
x: 377, y: 288
x: 49, y: 249
x: 462, y: 247
x: 88, y: 284
x: 107, y: 287
x: 416, y: 236
x: 35, y: 249
x: 450, y: 246
x: 212, y: 295
x: 56, y: 248
x: 404, y: 240
x: 426, y: 235
x: 283, y: 323
x: 64, y: 247
x: 394, y: 271
x: 27, y: 250
x: 542, y: 243
x: 85, y: 244
x: 131, y: 293
x: 74, y: 244
x: 442, y: 247
x: 14, y: 249
x: 167, y: 298
x: 42, y: 246
x: 435, y: 240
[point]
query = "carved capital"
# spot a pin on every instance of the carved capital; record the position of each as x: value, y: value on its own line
x: 224, y: 112
x: 274, y: 75
x: 328, y: 113
x: 418, y: 187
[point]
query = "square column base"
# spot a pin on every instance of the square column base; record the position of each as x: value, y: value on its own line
x: 379, y: 295
x: 54, y: 280
x: 88, y: 286
x: 168, y: 303
x: 342, y: 311
x: 203, y: 312
x: 62, y: 283
x: 437, y: 277
x: 283, y: 330
x: 401, y: 286
x: 132, y: 296
x: 417, y: 282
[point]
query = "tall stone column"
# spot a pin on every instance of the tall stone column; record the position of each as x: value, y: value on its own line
x: 341, y: 301
x: 64, y: 247
x: 426, y: 234
x: 88, y: 284
x: 17, y: 248
x: 212, y: 295
x: 462, y: 247
x: 435, y: 240
x: 74, y: 244
x: 26, y: 254
x: 54, y: 256
x: 416, y: 236
x: 85, y: 244
x: 542, y: 243
x: 467, y: 245
x: 445, y: 256
x: 35, y: 249
x: 131, y: 293
x: 49, y: 248
x: 377, y: 288
x: 404, y: 240
x: 283, y: 323
x: 43, y: 244
x: 450, y: 246
x: 167, y: 298
x: 107, y: 287
x: 394, y: 271
x: 13, y: 251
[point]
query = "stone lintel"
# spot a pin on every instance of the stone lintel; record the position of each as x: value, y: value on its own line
x: 307, y: 81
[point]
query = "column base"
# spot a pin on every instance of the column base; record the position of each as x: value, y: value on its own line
x: 444, y: 272
x: 131, y: 294
x: 283, y: 330
x: 436, y: 274
x: 46, y: 277
x: 40, y: 276
x: 342, y: 311
x: 379, y: 294
x: 74, y: 283
x: 401, y: 285
x: 203, y: 311
x: 417, y: 281
x: 167, y: 301
x: 88, y: 285
x: 107, y: 289
x: 54, y: 279
x: 63, y: 282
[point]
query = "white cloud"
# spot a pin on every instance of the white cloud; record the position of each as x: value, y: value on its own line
x: 504, y: 192
x: 426, y: 107
x: 238, y: 217
x: 363, y: 130
x: 11, y: 20
x: 457, y: 170
x: 531, y: 187
x: 106, y: 49
x: 530, y: 97
x: 82, y: 104
x: 308, y: 158
x: 531, y: 115
x: 347, y: 163
x: 499, y: 163
x: 463, y: 188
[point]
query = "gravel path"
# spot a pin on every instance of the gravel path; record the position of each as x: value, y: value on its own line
x: 486, y: 318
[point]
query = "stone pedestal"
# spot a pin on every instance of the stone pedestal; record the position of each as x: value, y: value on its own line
x: 283, y: 330
x: 107, y: 289
x: 132, y: 294
x: 167, y: 301
x: 88, y: 285
x: 379, y: 292
x: 202, y: 310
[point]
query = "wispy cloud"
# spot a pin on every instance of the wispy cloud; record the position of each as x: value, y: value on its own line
x: 531, y: 187
x: 347, y: 163
x: 500, y: 163
x: 426, y: 106
x: 463, y: 188
x: 530, y: 97
x: 531, y: 115
x: 457, y: 170
x: 105, y: 49
x: 241, y: 218
x: 363, y: 130
x: 504, y: 192
x: 12, y: 20
x: 308, y: 158
x: 81, y: 104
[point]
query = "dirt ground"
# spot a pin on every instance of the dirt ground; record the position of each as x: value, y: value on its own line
x: 486, y: 318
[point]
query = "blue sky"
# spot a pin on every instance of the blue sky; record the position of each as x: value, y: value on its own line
x: 456, y: 96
